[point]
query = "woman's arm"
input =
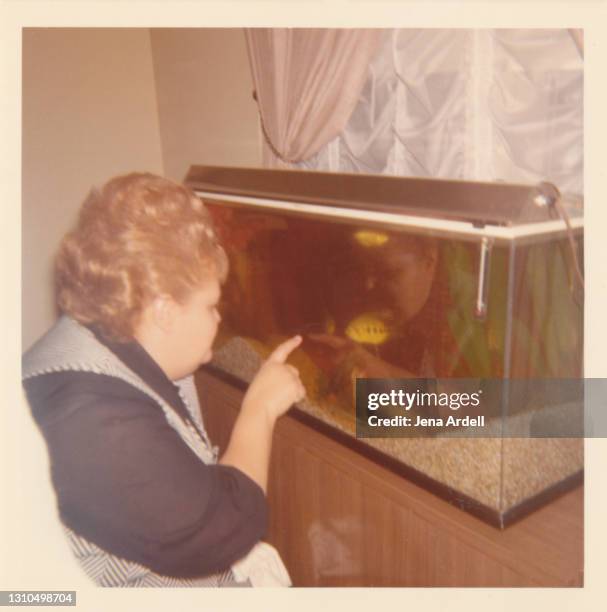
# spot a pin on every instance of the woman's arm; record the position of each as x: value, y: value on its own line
x: 275, y: 388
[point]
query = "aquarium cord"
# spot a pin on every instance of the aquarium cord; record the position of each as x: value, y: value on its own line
x: 576, y: 262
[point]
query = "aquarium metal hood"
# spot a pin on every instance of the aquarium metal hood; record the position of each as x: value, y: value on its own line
x: 500, y: 211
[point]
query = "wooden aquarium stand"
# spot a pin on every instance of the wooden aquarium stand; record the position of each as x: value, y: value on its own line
x: 340, y: 519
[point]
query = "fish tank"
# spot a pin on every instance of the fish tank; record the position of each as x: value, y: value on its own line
x: 412, y: 278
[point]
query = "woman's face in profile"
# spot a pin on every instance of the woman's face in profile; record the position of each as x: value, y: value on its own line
x: 195, y: 327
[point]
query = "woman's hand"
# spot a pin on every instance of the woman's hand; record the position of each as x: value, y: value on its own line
x: 273, y: 390
x: 277, y: 384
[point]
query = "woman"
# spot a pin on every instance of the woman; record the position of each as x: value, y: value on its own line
x: 141, y: 495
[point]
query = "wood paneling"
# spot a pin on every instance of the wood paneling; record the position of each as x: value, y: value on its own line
x: 339, y: 519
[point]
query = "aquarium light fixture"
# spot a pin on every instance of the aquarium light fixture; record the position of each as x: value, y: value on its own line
x: 464, y: 229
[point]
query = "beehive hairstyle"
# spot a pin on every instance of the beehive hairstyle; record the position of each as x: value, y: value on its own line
x: 138, y: 237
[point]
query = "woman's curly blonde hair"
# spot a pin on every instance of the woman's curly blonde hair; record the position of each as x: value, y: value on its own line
x: 138, y: 237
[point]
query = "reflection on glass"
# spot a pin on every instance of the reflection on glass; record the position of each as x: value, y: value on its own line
x: 387, y: 303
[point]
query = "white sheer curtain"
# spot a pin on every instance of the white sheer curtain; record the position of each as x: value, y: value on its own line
x: 495, y: 105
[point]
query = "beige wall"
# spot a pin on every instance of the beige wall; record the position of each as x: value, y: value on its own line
x: 89, y: 113
x: 207, y: 113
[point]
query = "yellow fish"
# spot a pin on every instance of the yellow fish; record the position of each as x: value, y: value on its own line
x: 368, y: 328
x: 369, y: 238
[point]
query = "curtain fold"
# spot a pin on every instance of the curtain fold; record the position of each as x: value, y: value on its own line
x: 484, y: 105
x: 307, y: 83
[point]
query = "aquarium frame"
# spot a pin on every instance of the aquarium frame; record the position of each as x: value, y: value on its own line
x: 463, y: 230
